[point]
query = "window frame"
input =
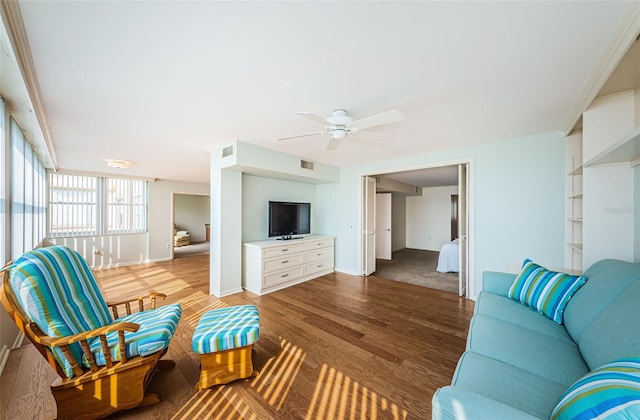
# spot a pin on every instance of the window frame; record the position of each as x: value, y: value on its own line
x: 98, y: 207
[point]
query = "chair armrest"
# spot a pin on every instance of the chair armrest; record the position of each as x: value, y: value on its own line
x: 153, y: 296
x: 496, y: 282
x: 49, y: 341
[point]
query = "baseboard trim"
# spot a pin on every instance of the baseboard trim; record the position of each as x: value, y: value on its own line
x: 4, y: 352
x: 351, y: 273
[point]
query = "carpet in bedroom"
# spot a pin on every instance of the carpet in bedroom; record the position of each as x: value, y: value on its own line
x: 418, y: 267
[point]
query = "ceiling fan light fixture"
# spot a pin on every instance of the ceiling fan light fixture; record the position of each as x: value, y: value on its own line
x: 339, y: 134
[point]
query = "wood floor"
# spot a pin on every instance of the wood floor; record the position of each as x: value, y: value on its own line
x: 337, y: 347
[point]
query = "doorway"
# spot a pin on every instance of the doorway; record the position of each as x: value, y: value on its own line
x: 190, y: 224
x: 426, y: 237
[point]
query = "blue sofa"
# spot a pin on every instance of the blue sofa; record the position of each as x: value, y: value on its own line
x: 518, y: 362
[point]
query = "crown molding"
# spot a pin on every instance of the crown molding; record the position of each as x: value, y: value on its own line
x: 14, y: 25
x: 624, y: 35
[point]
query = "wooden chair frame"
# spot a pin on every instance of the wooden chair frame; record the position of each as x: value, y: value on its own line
x: 97, y: 391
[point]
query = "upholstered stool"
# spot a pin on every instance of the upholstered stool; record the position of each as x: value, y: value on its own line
x: 224, y: 339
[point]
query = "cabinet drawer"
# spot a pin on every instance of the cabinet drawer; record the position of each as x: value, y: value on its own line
x: 319, y: 254
x: 282, y: 276
x: 322, y: 265
x: 281, y: 263
x: 320, y: 243
x: 281, y: 250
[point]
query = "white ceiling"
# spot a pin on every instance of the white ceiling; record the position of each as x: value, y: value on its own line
x: 161, y: 83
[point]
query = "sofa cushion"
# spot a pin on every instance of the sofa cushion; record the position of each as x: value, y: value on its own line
x: 507, y: 385
x: 546, y: 291
x: 615, y: 332
x: 610, y: 390
x: 607, y: 280
x: 513, y: 312
x: 542, y: 355
x: 454, y: 403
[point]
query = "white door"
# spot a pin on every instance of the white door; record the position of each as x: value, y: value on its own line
x: 462, y: 228
x: 383, y: 226
x: 368, y: 225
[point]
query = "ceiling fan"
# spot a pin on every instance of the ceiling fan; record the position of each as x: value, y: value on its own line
x: 340, y: 125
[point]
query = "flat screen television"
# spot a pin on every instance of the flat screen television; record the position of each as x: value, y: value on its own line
x: 288, y: 218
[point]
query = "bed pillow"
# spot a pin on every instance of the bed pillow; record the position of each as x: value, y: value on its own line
x: 610, y: 390
x: 545, y: 291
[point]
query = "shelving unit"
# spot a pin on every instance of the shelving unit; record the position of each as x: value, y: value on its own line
x: 574, y: 202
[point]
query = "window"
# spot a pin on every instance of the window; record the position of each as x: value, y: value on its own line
x: 81, y: 205
x: 27, y: 201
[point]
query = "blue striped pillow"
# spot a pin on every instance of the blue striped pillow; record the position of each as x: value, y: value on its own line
x: 545, y: 291
x: 610, y: 391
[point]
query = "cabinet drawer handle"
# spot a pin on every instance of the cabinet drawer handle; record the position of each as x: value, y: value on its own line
x: 320, y: 254
x: 284, y: 250
x: 320, y: 265
x: 284, y: 262
x: 284, y: 275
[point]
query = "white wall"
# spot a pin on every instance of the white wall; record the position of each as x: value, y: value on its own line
x: 257, y: 191
x: 191, y: 214
x: 429, y: 218
x: 608, y: 213
x: 398, y: 222
x: 519, y: 203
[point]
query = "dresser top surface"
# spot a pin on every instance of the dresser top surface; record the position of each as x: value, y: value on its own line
x: 280, y: 242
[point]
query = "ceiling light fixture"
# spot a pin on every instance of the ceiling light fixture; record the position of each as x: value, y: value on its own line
x: 120, y: 164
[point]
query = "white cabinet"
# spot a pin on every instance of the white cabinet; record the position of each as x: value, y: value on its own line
x: 272, y: 264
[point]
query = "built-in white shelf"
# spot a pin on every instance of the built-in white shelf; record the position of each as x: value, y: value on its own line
x: 575, y: 196
x: 626, y: 150
x: 576, y: 246
x: 576, y: 171
x: 575, y: 219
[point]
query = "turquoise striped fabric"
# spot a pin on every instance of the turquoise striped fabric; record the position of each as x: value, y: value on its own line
x: 546, y: 291
x: 157, y: 327
x: 58, y: 291
x: 611, y: 391
x: 226, y: 329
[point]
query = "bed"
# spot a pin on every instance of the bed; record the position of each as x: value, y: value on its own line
x: 449, y: 258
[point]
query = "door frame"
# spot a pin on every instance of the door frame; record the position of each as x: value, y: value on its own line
x: 173, y: 215
x: 470, y: 162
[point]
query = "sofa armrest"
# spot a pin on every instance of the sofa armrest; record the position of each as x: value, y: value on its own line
x: 453, y: 403
x: 496, y: 282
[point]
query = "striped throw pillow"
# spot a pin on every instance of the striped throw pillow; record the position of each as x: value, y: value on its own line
x: 611, y: 391
x: 545, y: 291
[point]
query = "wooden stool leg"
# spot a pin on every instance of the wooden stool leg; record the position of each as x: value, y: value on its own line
x: 225, y: 366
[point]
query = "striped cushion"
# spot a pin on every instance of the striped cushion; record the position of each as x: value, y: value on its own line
x: 226, y: 329
x: 545, y: 291
x: 58, y: 292
x: 611, y: 391
x: 157, y: 327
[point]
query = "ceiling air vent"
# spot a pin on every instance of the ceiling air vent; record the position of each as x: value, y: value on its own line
x: 227, y: 151
x: 305, y: 164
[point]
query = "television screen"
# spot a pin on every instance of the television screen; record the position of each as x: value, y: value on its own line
x: 288, y: 218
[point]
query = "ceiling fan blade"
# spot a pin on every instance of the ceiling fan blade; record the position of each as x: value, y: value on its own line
x: 378, y: 119
x: 313, y: 117
x: 333, y: 143
x: 301, y: 135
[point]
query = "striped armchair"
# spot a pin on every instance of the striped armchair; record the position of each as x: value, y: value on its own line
x: 104, y: 364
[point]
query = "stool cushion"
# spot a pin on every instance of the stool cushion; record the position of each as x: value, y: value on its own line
x: 226, y: 329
